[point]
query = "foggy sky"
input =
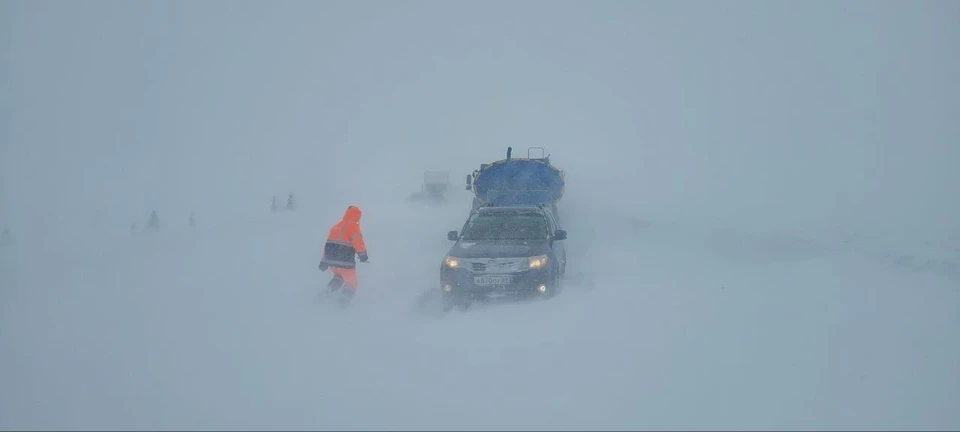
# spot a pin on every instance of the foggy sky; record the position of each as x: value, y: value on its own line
x: 780, y: 113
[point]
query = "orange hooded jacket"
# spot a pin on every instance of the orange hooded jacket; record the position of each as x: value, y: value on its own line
x: 344, y: 241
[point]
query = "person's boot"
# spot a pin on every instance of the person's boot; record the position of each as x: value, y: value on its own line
x: 335, y: 284
x: 345, y: 297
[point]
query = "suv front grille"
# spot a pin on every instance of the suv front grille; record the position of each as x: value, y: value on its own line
x: 495, y: 265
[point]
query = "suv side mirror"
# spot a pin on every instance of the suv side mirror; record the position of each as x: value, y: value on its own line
x: 560, y: 235
x: 452, y: 236
x: 468, y: 182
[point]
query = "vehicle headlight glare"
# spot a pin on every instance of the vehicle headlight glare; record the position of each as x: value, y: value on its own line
x: 451, y: 262
x: 537, y: 262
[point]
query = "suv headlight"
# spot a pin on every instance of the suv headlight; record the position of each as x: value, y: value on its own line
x: 537, y: 262
x: 451, y: 262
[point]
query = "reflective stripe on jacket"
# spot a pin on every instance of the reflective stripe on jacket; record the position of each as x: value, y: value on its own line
x: 344, y: 241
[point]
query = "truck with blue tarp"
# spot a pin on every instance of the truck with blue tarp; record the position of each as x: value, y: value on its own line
x: 530, y: 181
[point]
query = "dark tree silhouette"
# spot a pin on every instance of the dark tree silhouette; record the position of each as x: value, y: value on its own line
x: 154, y: 222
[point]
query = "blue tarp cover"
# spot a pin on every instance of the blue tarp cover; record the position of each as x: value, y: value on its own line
x: 519, y: 182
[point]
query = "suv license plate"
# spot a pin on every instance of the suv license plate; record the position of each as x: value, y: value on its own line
x: 491, y: 280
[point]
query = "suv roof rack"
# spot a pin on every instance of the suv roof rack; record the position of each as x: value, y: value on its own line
x: 510, y: 208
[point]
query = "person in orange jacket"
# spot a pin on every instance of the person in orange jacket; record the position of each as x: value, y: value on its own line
x: 343, y: 242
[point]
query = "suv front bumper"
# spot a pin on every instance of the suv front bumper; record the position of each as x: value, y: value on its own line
x: 465, y: 284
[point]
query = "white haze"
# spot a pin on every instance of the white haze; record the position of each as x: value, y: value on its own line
x: 764, y: 194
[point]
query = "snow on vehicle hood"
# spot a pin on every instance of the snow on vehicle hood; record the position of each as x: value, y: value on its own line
x: 499, y: 248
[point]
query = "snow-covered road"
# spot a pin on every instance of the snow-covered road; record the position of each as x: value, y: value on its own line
x: 221, y: 328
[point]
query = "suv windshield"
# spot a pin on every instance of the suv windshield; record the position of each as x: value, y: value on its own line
x: 506, y: 226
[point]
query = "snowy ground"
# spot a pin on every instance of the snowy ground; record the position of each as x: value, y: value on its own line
x: 686, y: 329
